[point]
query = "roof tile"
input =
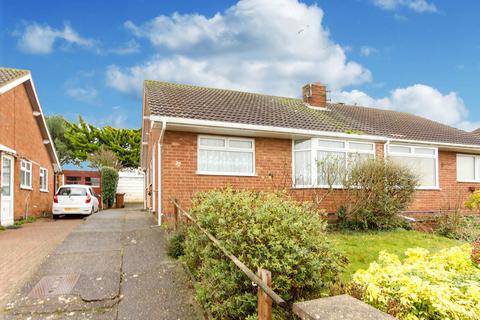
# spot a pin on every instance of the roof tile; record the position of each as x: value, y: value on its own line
x: 8, y: 75
x: 194, y: 102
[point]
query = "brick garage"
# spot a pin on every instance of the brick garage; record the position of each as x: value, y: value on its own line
x: 22, y: 130
x: 175, y: 115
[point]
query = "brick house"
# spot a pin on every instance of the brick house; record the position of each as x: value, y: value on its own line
x: 28, y: 158
x: 196, y: 138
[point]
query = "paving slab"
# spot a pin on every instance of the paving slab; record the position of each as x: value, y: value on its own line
x: 93, y: 241
x: 167, y: 298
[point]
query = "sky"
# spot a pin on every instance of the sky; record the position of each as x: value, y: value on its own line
x: 90, y: 58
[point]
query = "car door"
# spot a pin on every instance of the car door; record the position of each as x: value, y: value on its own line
x: 94, y: 199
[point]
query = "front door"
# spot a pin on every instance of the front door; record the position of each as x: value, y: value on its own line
x: 7, y: 191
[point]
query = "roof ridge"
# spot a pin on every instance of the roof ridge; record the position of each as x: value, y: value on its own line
x: 218, y: 89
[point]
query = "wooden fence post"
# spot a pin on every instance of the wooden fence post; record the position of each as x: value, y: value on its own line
x: 264, y: 301
x: 175, y: 213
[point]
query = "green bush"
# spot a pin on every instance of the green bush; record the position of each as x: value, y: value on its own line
x: 473, y: 202
x: 455, y: 225
x: 263, y: 230
x: 176, y: 246
x: 378, y: 191
x: 443, y: 285
x: 109, y: 185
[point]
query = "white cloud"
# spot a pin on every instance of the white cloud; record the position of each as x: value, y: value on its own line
x: 257, y: 45
x: 87, y: 94
x: 367, y: 51
x: 415, y: 5
x: 40, y: 39
x: 418, y: 99
x: 130, y: 47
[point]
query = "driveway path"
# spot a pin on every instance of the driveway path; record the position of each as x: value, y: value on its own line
x: 23, y: 250
x: 113, y: 266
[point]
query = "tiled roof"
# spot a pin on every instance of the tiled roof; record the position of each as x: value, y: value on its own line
x: 193, y: 102
x: 7, y: 75
x: 476, y: 131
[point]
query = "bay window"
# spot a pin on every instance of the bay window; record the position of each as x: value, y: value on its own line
x: 468, y: 168
x: 423, y: 161
x: 226, y: 156
x: 320, y: 162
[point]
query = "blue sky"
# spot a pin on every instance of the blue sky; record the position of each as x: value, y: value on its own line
x: 90, y: 57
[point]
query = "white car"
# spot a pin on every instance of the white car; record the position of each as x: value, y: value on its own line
x: 74, y: 199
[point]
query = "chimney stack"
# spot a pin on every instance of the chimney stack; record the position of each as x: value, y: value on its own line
x: 315, y: 94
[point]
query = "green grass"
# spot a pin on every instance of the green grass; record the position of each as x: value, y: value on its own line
x: 362, y: 248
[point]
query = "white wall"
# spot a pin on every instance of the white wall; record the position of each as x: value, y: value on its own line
x: 131, y: 183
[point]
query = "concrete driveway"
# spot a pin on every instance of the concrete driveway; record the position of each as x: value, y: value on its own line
x: 113, y: 266
x: 23, y: 250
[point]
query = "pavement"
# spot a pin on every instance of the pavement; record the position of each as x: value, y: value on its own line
x: 113, y: 266
x: 23, y: 250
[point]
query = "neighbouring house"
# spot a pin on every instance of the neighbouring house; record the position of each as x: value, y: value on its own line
x: 196, y: 139
x: 86, y: 177
x: 131, y: 182
x: 29, y: 162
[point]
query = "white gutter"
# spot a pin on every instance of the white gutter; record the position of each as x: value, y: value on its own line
x: 243, y: 126
x: 7, y: 149
x: 293, y: 131
x: 159, y: 174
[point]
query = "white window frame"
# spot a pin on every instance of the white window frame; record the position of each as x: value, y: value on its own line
x: 23, y: 168
x: 226, y: 148
x: 477, y: 167
x: 44, y: 175
x: 314, y: 148
x: 413, y: 154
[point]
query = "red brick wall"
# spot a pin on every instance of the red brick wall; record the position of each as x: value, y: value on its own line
x: 273, y: 168
x: 19, y: 130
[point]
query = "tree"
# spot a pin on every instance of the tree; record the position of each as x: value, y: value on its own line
x: 104, y: 157
x: 57, y: 125
x: 87, y: 139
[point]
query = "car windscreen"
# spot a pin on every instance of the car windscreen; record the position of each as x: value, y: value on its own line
x: 72, y: 192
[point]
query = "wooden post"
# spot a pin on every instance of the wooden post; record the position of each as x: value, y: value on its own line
x: 264, y: 301
x: 175, y: 214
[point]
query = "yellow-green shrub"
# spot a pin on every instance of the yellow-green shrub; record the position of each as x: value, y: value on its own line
x: 443, y: 285
x: 473, y: 202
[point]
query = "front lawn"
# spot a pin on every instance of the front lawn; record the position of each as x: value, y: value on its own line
x: 362, y: 248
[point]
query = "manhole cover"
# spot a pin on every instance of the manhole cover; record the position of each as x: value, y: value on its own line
x: 54, y: 285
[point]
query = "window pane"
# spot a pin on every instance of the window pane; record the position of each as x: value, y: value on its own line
x: 424, y: 168
x: 225, y: 161
x: 6, y: 176
x: 240, y: 144
x: 95, y: 182
x: 355, y: 159
x: 303, y: 144
x: 331, y: 144
x: 303, y: 168
x: 212, y: 142
x: 399, y: 149
x: 330, y: 168
x: 360, y: 146
x: 425, y: 151
x: 465, y: 168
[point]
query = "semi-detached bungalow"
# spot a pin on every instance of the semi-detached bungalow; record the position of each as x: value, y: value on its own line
x: 196, y: 138
x: 28, y: 161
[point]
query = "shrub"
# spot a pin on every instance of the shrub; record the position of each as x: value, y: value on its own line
x: 109, y: 185
x: 455, y: 225
x: 263, y: 230
x: 378, y: 191
x: 444, y: 285
x: 176, y: 246
x: 473, y: 202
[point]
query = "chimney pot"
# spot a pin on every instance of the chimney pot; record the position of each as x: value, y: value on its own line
x: 315, y: 94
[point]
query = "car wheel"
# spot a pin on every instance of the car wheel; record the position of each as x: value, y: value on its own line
x: 55, y: 217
